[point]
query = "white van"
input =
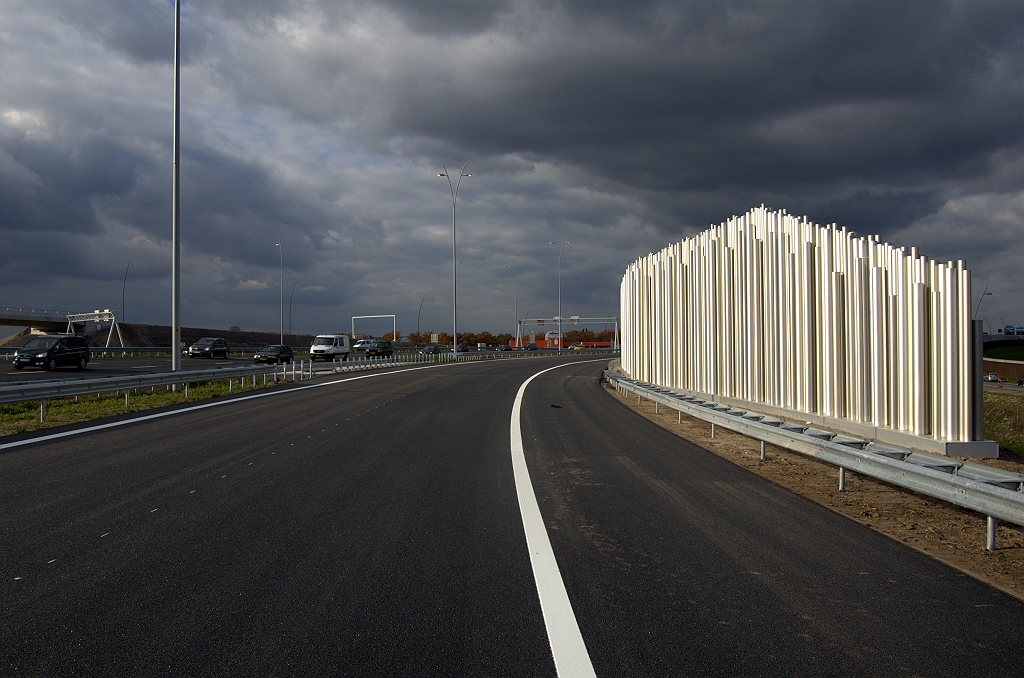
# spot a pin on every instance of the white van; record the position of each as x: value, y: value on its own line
x: 329, y: 347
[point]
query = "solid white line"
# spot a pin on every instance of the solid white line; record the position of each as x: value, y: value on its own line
x: 567, y: 646
x: 203, y: 406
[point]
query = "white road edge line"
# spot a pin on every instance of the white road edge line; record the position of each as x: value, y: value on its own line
x: 203, y: 406
x: 567, y: 646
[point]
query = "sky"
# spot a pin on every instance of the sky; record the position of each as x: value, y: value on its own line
x: 618, y: 127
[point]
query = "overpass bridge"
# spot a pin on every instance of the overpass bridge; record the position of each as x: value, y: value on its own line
x: 37, y: 318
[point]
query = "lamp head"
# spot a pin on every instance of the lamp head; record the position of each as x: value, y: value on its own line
x: 440, y: 174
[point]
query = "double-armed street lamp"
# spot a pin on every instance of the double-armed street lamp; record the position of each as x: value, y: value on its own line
x: 560, y: 245
x: 455, y: 196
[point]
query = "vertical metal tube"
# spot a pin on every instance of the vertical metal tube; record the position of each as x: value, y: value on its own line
x: 175, y: 205
x: 842, y: 479
x: 990, y: 541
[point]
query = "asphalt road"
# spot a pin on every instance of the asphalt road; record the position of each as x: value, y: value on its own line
x: 371, y: 526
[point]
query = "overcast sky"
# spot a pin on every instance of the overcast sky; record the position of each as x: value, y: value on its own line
x: 618, y: 126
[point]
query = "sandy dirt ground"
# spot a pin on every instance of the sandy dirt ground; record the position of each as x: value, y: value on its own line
x: 946, y: 532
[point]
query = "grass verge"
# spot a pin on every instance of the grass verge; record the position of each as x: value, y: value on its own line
x: 1004, y: 420
x: 24, y: 417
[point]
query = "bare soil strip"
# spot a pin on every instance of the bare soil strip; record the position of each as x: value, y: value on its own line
x: 950, y: 534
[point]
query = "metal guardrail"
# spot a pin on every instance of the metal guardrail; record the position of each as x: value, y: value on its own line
x: 992, y: 492
x: 303, y: 369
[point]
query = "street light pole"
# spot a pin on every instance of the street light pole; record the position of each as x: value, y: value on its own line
x: 175, y: 211
x: 290, y: 307
x: 455, y: 197
x: 123, y: 285
x: 560, y: 246
x: 282, y: 288
x: 977, y: 308
x: 418, y: 337
x: 516, y: 273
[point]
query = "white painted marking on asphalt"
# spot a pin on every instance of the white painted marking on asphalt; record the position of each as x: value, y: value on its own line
x: 217, y: 403
x: 17, y: 578
x: 153, y: 511
x: 567, y: 646
x: 193, y: 491
x: 104, y: 535
x: 51, y: 562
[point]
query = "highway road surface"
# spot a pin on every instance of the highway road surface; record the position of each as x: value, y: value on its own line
x: 378, y: 524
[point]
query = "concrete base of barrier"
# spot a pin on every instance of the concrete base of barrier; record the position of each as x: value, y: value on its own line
x: 977, y: 449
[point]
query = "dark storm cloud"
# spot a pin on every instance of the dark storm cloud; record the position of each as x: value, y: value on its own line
x: 618, y: 126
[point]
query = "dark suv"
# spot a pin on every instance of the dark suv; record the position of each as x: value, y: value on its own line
x: 379, y: 347
x: 209, y: 347
x: 53, y: 351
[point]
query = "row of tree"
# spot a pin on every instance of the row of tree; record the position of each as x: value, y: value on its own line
x: 475, y: 338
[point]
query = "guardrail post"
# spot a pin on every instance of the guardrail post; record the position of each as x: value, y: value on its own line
x: 842, y: 479
x: 712, y: 430
x: 991, y: 541
x: 680, y: 421
x: 126, y: 392
x: 655, y: 406
x: 42, y: 411
x: 764, y: 455
x: 186, y: 390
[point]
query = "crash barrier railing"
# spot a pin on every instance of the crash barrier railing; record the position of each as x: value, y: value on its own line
x: 296, y: 370
x: 992, y: 492
x: 7, y: 352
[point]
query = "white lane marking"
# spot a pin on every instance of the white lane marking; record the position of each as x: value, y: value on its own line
x: 153, y: 511
x: 51, y: 562
x: 567, y: 646
x: 104, y: 535
x: 218, y: 403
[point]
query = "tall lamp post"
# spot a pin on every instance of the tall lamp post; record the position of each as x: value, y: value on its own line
x: 560, y: 245
x: 455, y: 197
x: 290, y: 307
x: 418, y: 337
x: 516, y: 273
x: 175, y: 212
x: 123, y: 285
x: 282, y: 288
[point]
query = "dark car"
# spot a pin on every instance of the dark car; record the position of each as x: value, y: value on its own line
x: 432, y: 349
x: 209, y: 347
x: 379, y: 347
x: 276, y: 353
x: 53, y: 351
x: 531, y: 346
x: 462, y: 348
x: 504, y: 347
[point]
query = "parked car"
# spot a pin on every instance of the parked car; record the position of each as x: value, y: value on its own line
x: 209, y: 347
x: 380, y: 348
x: 432, y: 349
x: 991, y: 376
x: 362, y: 344
x: 462, y: 348
x: 52, y: 351
x: 504, y: 347
x: 577, y: 347
x: 329, y: 347
x: 531, y: 346
x: 275, y: 353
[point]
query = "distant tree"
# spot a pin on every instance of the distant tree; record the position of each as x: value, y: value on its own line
x: 577, y: 336
x: 234, y: 328
x: 485, y: 337
x: 503, y: 338
x: 444, y: 339
x: 393, y: 336
x: 605, y: 335
x: 467, y: 338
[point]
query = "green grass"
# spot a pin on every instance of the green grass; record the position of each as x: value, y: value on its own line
x: 1004, y: 420
x: 1006, y: 352
x: 22, y: 417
